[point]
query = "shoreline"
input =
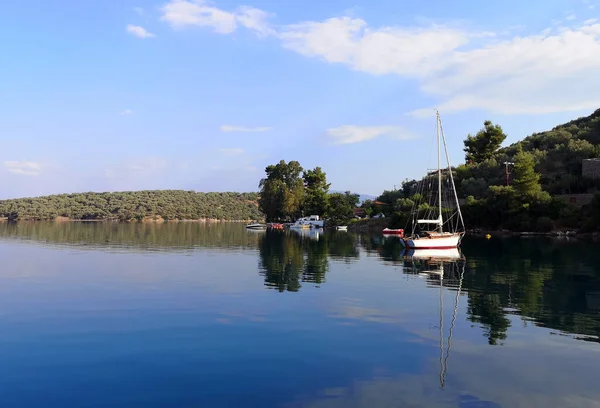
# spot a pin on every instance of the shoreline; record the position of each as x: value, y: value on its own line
x: 133, y: 221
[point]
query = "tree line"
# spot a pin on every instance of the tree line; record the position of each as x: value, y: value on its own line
x: 289, y: 192
x: 135, y: 205
x: 517, y: 187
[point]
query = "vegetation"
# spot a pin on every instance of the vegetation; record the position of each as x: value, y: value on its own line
x: 341, y: 207
x: 138, y: 205
x: 282, y: 191
x: 518, y: 187
x: 484, y: 144
x: 289, y: 192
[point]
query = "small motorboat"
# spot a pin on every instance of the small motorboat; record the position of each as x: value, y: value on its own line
x: 341, y: 228
x: 398, y: 232
x: 256, y: 226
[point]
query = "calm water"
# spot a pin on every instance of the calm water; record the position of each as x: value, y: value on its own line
x: 192, y: 315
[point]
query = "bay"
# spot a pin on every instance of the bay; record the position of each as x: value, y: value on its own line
x: 214, y: 315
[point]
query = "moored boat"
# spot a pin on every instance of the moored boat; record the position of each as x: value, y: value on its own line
x: 389, y: 231
x: 341, y: 228
x: 437, y: 212
x: 307, y: 222
x: 256, y: 226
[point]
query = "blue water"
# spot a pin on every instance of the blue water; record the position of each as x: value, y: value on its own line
x: 216, y: 316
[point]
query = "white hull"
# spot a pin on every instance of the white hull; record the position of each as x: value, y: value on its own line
x: 300, y: 226
x: 256, y: 227
x: 449, y: 242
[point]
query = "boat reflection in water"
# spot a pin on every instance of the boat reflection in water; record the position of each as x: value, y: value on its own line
x: 439, y: 266
x: 312, y: 233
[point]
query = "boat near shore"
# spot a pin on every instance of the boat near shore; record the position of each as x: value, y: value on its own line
x: 313, y: 221
x: 389, y: 231
x: 256, y: 227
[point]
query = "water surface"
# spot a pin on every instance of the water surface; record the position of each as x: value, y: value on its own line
x: 213, y: 315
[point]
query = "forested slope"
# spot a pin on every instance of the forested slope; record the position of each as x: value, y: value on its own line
x: 135, y: 205
x: 557, y: 153
x: 542, y: 169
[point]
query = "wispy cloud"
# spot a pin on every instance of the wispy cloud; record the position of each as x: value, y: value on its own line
x: 544, y: 72
x: 126, y: 112
x: 183, y: 13
x: 460, y: 68
x: 139, y: 32
x: 349, y: 134
x: 231, y: 128
x: 232, y: 151
x: 24, y: 168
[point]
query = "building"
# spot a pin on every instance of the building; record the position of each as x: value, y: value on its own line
x: 590, y: 168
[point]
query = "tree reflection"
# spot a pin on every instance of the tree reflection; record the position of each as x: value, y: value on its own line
x: 288, y: 258
x: 342, y: 246
x: 388, y: 248
x: 281, y: 260
x: 551, y: 282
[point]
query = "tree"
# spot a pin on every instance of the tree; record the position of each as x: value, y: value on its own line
x: 484, y: 144
x: 315, y: 194
x: 526, y: 180
x: 282, y: 191
x: 340, y: 208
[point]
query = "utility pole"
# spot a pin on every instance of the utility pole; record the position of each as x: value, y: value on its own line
x: 506, y: 164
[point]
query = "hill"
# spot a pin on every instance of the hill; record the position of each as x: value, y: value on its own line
x: 543, y: 170
x: 135, y: 205
x: 558, y: 155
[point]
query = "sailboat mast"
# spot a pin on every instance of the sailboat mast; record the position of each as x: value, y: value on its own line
x: 439, y: 145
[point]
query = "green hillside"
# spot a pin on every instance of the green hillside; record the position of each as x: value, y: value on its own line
x: 135, y: 205
x: 544, y: 169
x: 558, y: 156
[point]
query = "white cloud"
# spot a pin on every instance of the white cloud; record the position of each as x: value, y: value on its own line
x: 254, y: 19
x: 571, y: 17
x: 504, y: 72
x: 231, y: 128
x: 126, y: 112
x: 232, y: 151
x: 24, y: 168
x: 354, y: 134
x: 551, y: 71
x: 139, y: 32
x: 184, y: 13
x: 403, y: 51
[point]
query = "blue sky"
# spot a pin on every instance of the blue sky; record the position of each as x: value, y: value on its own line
x: 127, y: 95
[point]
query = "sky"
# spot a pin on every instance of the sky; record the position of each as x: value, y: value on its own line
x: 121, y: 95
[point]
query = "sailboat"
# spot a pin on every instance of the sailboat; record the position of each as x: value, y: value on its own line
x: 442, y: 208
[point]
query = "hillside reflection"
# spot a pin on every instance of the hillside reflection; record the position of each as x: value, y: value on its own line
x: 546, y: 282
